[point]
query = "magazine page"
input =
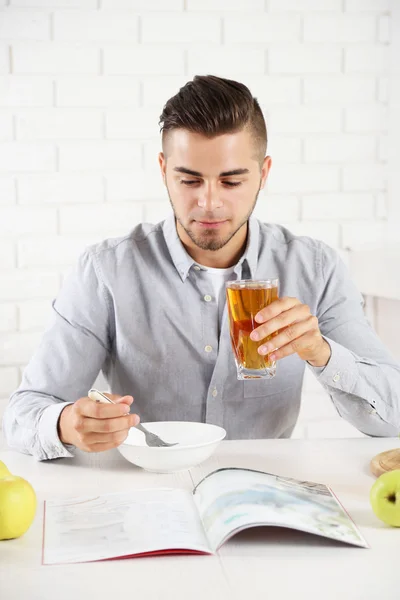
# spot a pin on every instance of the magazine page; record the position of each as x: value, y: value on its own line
x: 229, y: 500
x: 89, y: 528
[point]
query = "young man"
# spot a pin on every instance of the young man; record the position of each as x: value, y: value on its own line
x: 149, y: 309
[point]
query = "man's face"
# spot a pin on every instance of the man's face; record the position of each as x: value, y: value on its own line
x: 212, y: 184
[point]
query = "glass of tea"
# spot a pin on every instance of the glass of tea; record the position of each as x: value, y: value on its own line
x: 245, y: 298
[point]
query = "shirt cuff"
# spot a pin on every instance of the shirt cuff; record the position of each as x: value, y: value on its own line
x: 48, y: 433
x: 341, y: 371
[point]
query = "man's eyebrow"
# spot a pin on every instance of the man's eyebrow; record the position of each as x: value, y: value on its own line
x: 223, y: 174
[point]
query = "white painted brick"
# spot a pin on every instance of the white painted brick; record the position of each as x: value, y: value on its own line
x: 19, y: 285
x: 57, y: 58
x: 181, y: 29
x: 319, y: 230
x: 60, y: 189
x: 285, y: 149
x: 99, y: 156
x: 383, y: 148
x: 4, y: 60
x: 124, y: 187
x: 55, y: 3
x: 95, y: 26
x: 332, y: 428
x: 154, y: 212
x: 59, y: 124
x: 16, y: 348
x: 112, y: 219
x: 366, y: 5
x: 7, y: 190
x: 17, y: 90
x: 157, y: 90
x: 6, y: 127
x: 24, y: 25
x: 8, y: 317
x: 339, y: 89
x: 339, y: 29
x: 145, y: 5
x: 381, y: 205
x: 358, y: 234
x: 337, y: 207
x: 304, y: 120
x: 9, y: 380
x: 304, y: 58
x: 19, y: 220
x: 138, y: 124
x: 150, y: 152
x: 220, y: 5
x: 26, y: 157
x: 304, y: 5
x: 384, y: 29
x: 366, y: 118
x: 138, y: 60
x: 249, y: 61
x: 367, y: 59
x: 275, y: 208
x: 34, y: 316
x: 270, y: 90
x: 383, y: 90
x: 97, y: 91
x: 261, y: 29
x: 296, y: 179
x: 55, y: 251
x: 339, y: 148
x: 365, y: 178
x: 7, y: 254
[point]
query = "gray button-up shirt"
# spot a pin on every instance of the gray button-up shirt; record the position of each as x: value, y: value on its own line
x: 134, y: 309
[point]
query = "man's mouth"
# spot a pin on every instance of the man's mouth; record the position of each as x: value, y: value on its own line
x: 211, y: 224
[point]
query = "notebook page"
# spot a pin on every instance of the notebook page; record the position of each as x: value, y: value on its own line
x: 88, y: 528
x: 229, y: 500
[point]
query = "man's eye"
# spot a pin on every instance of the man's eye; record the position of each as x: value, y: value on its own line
x: 189, y: 182
x: 232, y: 183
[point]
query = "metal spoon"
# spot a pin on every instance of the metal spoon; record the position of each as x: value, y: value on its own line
x: 151, y: 438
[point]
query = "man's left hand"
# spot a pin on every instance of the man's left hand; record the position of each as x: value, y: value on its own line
x: 296, y: 332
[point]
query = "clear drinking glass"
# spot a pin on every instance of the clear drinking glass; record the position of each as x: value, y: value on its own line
x: 245, y: 298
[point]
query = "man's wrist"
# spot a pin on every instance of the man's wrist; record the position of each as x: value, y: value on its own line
x: 323, y: 356
x: 62, y: 426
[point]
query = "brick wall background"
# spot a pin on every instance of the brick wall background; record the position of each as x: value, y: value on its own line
x: 82, y: 84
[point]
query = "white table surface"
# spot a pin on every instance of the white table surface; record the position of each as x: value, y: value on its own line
x: 259, y: 563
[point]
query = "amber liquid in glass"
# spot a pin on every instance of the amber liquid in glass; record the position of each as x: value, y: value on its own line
x: 243, y: 305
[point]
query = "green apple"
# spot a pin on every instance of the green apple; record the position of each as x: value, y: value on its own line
x: 17, y: 506
x: 385, y: 497
x: 3, y: 470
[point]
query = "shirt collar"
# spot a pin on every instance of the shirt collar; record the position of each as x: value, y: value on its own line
x: 184, y: 262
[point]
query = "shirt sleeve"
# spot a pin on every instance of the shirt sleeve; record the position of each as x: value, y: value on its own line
x: 361, y: 377
x: 72, y: 351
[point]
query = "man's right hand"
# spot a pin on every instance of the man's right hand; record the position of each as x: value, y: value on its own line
x: 95, y: 427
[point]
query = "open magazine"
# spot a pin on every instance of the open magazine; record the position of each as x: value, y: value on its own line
x: 167, y: 520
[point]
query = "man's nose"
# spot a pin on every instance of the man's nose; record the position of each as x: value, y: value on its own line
x: 209, y: 199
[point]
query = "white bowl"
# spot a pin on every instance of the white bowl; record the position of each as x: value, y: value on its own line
x: 196, y: 443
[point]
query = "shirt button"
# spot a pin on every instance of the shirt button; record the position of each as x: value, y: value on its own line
x: 336, y: 377
x: 207, y: 298
x: 196, y: 268
x: 214, y: 392
x: 208, y: 348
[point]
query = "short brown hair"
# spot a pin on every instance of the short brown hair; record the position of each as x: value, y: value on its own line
x: 212, y: 106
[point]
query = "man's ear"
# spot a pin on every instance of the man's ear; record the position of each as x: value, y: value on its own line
x: 266, y: 166
x: 163, y: 165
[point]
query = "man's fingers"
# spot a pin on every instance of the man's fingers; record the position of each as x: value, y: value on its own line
x: 98, y: 410
x: 111, y: 425
x: 105, y: 442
